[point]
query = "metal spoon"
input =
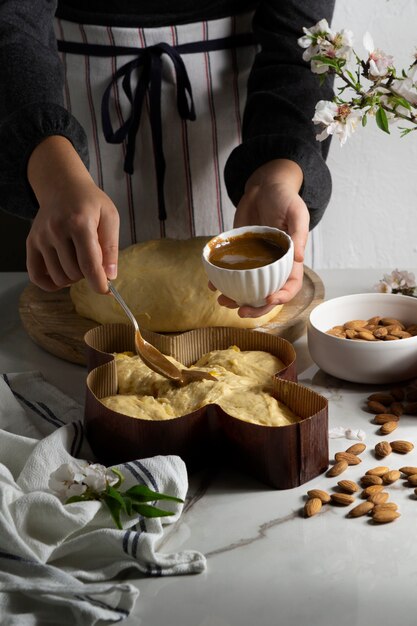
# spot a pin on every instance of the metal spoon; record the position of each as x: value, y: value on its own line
x: 152, y: 357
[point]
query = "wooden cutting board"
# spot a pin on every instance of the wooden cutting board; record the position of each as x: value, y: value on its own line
x: 51, y: 321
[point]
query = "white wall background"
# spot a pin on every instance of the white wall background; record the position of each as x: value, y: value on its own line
x: 371, y: 220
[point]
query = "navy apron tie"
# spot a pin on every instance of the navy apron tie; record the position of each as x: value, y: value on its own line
x: 148, y: 62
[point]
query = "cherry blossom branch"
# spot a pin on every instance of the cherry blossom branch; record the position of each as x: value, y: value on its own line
x: 388, y: 97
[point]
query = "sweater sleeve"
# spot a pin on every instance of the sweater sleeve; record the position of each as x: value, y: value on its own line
x: 31, y: 98
x: 281, y: 99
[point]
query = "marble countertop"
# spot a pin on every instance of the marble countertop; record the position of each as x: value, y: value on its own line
x: 267, y: 565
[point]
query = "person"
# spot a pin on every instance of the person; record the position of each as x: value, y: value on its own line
x: 205, y: 123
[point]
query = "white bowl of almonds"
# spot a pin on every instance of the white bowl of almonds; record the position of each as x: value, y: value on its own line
x: 365, y: 338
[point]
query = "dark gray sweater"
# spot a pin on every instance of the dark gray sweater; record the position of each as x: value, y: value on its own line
x: 282, y: 91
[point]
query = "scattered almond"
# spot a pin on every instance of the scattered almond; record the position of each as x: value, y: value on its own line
x: 411, y: 408
x: 320, y: 494
x: 383, y: 418
x: 357, y: 448
x: 412, y: 480
x: 383, y: 448
x: 379, y: 498
x: 386, y: 506
x: 371, y: 490
x: 376, y: 407
x: 337, y: 468
x: 388, y: 428
x: 351, y: 459
x: 408, y: 470
x: 402, y: 447
x: 312, y: 507
x: 368, y: 480
x: 396, y: 408
x: 392, y: 476
x: 349, y: 485
x: 361, y: 509
x: 343, y: 499
x: 383, y: 398
x: 384, y: 517
x: 380, y: 470
x: 398, y: 393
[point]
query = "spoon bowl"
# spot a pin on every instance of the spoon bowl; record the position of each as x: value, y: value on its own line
x: 152, y: 357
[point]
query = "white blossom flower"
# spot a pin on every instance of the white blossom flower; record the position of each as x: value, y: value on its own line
x: 407, y: 88
x: 396, y: 282
x: 336, y: 119
x: 321, y: 40
x: 379, y: 63
x: 66, y: 481
x: 97, y: 477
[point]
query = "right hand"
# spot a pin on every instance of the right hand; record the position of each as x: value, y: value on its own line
x: 76, y: 230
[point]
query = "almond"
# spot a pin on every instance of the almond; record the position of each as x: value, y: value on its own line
x: 398, y: 393
x: 382, y: 449
x: 391, y: 321
x: 361, y: 509
x: 401, y: 334
x: 320, y: 494
x: 392, y: 476
x: 386, y: 506
x: 349, y: 485
x: 412, y: 480
x: 391, y: 338
x: 377, y: 471
x: 350, y: 333
x: 312, y: 507
x: 384, y: 517
x: 397, y: 408
x: 388, y: 428
x: 408, y: 470
x: 376, y: 407
x: 374, y: 320
x: 336, y: 333
x: 368, y: 480
x: 380, y: 332
x: 411, y: 408
x: 379, y: 498
x: 371, y: 490
x: 366, y: 335
x: 342, y: 499
x: 384, y: 398
x: 351, y: 459
x: 402, y: 447
x: 355, y: 324
x: 383, y: 418
x: 337, y: 468
x: 357, y: 448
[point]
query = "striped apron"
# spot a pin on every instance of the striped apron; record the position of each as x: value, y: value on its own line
x: 162, y: 109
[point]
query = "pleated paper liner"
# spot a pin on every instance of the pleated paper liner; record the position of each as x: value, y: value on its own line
x: 282, y: 457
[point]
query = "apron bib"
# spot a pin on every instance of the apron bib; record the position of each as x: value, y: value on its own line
x: 162, y: 109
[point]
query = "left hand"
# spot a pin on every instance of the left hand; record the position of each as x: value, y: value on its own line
x: 272, y: 198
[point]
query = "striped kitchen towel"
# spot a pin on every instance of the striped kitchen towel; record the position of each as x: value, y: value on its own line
x: 65, y: 563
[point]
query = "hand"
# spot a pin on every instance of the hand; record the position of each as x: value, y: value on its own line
x: 75, y: 232
x: 272, y: 198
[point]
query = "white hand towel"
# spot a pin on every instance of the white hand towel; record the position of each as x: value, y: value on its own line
x: 71, y: 558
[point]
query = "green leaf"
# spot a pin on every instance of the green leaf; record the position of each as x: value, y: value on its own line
x: 405, y: 131
x: 119, y: 476
x: 335, y: 63
x: 128, y: 505
x: 401, y: 101
x: 364, y: 120
x: 115, y: 495
x: 382, y: 120
x: 142, y: 493
x: 150, y: 511
x: 81, y: 498
x: 115, y: 508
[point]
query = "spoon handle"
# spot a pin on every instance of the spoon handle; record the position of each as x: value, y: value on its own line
x: 123, y: 304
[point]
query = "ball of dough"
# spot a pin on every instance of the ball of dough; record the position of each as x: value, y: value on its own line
x: 165, y: 285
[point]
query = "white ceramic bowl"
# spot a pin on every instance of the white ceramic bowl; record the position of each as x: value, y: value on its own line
x: 251, y: 286
x: 376, y: 362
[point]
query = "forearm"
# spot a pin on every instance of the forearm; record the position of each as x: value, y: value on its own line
x: 31, y: 100
x: 282, y: 93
